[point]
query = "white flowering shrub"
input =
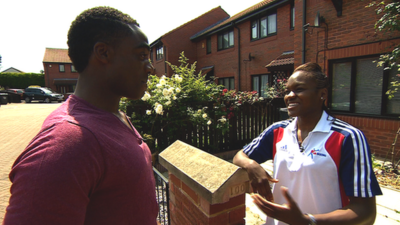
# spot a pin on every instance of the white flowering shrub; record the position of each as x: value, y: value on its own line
x: 171, y: 103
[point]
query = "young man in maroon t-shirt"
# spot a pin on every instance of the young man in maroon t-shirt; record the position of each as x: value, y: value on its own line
x: 88, y: 164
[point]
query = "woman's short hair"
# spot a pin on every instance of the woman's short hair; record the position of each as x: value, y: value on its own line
x: 314, y: 71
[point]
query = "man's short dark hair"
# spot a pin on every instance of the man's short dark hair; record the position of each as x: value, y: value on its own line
x: 103, y: 24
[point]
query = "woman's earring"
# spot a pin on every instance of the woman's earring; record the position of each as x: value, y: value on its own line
x: 322, y: 98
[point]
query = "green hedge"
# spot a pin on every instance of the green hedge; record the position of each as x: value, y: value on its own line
x: 21, y: 80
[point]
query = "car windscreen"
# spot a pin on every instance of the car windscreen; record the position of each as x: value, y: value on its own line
x: 47, y: 91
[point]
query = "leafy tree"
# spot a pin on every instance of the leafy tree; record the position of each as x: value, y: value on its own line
x: 389, y: 22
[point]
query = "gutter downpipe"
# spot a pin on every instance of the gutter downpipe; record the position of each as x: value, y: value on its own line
x: 46, y: 73
x: 234, y: 25
x: 303, y: 35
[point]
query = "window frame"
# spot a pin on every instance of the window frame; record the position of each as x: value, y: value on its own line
x: 208, y: 45
x: 63, y: 68
x: 229, y: 82
x: 73, y: 70
x: 151, y: 55
x: 353, y: 77
x: 159, y: 48
x: 220, y: 36
x: 257, y: 22
x: 259, y: 76
x: 292, y: 16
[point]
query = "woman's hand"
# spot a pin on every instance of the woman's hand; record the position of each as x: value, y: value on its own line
x: 259, y: 179
x: 288, y: 213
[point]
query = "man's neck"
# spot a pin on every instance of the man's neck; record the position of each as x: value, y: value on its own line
x: 96, y: 95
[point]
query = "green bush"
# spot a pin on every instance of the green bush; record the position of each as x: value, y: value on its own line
x: 21, y: 80
x: 186, y: 98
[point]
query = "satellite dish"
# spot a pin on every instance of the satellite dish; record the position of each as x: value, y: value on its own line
x: 317, y: 20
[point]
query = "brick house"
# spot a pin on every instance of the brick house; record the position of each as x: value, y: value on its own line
x: 12, y: 70
x: 169, y: 46
x: 59, y: 73
x: 240, y: 48
x: 268, y: 40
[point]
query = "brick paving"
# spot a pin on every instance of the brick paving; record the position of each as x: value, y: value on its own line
x: 19, y: 123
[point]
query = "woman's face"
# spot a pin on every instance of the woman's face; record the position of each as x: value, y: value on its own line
x: 302, y: 98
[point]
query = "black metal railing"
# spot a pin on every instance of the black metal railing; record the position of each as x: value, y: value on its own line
x: 162, y: 194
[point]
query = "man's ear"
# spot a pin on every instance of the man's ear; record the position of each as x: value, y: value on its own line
x: 102, y: 52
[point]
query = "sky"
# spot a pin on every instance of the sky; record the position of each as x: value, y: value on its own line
x: 27, y: 27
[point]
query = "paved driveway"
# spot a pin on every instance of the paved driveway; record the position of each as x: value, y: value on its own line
x: 19, y: 123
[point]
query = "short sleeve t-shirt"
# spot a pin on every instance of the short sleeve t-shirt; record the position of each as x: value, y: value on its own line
x: 84, y: 167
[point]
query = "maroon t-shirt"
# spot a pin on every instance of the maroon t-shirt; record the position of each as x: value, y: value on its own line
x: 84, y: 167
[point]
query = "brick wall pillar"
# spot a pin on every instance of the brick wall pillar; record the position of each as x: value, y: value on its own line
x: 203, y: 188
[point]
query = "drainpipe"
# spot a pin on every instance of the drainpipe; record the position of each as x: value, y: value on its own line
x: 47, y: 74
x: 234, y: 25
x: 303, y: 34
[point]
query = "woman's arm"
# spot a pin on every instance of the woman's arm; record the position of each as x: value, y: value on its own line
x: 359, y: 211
x: 259, y: 178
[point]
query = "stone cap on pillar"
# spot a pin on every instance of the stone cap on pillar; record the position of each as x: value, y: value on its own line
x: 212, y: 178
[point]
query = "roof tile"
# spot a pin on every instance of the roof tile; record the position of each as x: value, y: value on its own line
x: 241, y: 14
x: 56, y: 55
x: 285, y: 59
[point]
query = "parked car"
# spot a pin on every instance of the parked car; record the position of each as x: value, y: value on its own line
x: 20, y: 92
x: 41, y: 94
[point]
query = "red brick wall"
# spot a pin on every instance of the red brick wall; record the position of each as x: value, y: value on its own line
x: 187, y: 207
x: 50, y: 73
x: 265, y: 50
x: 225, y: 62
x: 178, y: 40
x: 380, y: 133
x: 354, y: 27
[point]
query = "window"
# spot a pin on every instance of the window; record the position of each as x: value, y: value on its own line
x: 292, y: 16
x: 208, y: 45
x: 393, y: 105
x: 73, y: 69
x: 225, y: 40
x: 160, y: 52
x: 259, y: 84
x: 358, y: 86
x: 263, y: 27
x: 61, y: 67
x: 228, y: 82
